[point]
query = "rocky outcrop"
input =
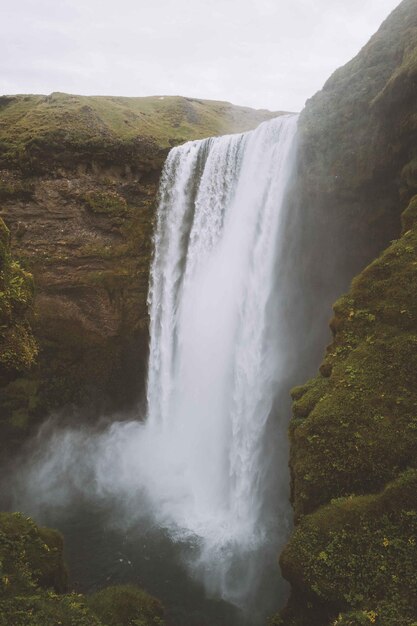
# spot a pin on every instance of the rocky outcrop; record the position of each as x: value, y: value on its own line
x: 353, y: 455
x: 34, y: 587
x: 30, y: 556
x: 78, y: 185
x: 357, y: 171
x: 353, y: 432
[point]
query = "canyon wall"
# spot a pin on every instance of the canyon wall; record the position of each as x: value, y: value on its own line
x: 351, y: 559
x: 78, y: 185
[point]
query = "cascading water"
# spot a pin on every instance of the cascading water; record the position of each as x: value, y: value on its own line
x: 214, y: 354
x: 208, y: 467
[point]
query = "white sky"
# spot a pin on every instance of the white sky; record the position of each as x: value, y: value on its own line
x: 263, y: 53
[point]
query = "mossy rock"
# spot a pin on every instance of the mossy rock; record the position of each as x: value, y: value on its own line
x: 126, y: 605
x: 30, y: 557
x: 353, y: 434
x: 47, y: 609
x: 18, y: 348
x: 409, y: 217
x: 355, y: 426
x: 105, y: 203
x: 33, y: 585
x: 356, y: 557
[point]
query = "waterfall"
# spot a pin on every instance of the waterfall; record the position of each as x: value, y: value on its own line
x: 214, y: 353
x: 208, y: 467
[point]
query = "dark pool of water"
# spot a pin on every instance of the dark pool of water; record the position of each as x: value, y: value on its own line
x: 99, y: 555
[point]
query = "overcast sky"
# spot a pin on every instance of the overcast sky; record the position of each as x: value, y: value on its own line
x: 262, y: 53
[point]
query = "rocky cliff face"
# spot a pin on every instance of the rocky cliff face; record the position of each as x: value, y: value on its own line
x: 353, y: 456
x: 351, y: 559
x: 18, y: 347
x: 357, y: 170
x: 78, y: 185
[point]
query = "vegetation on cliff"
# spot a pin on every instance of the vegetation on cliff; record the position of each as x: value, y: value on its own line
x: 18, y: 347
x: 354, y: 433
x: 126, y: 605
x: 355, y: 426
x: 352, y: 562
x: 34, y: 587
x: 351, y: 559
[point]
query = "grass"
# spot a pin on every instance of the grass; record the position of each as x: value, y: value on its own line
x: 29, y: 122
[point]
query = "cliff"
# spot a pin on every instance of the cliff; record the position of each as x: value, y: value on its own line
x: 357, y: 171
x: 18, y: 347
x: 351, y: 558
x: 78, y: 184
x: 353, y: 455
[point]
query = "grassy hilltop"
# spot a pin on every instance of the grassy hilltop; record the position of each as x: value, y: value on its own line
x: 35, y: 127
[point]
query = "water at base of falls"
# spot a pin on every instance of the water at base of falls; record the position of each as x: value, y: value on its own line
x: 208, y: 467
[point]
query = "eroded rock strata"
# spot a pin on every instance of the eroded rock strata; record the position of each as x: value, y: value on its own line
x: 78, y: 185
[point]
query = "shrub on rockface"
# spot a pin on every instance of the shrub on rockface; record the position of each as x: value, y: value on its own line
x: 18, y: 348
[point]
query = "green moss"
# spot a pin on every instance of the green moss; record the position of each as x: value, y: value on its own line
x: 357, y: 557
x: 47, y: 609
x: 33, y: 582
x: 306, y: 397
x: 359, y: 426
x: 409, y: 217
x: 126, y: 605
x: 354, y: 432
x: 18, y: 406
x: 405, y: 72
x: 18, y: 348
x: 30, y: 556
x: 108, y: 203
